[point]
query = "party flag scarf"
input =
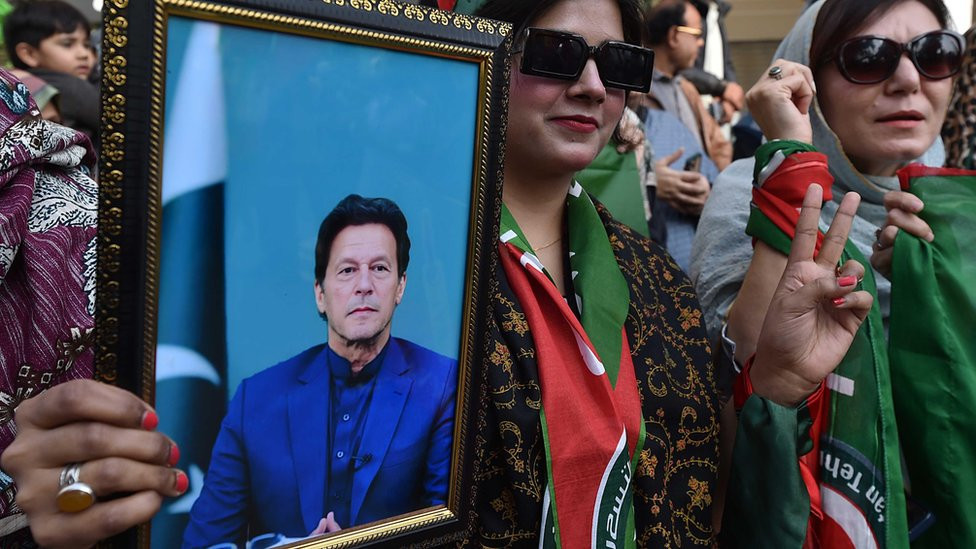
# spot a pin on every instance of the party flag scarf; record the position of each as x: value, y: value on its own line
x: 591, y: 410
x: 845, y: 486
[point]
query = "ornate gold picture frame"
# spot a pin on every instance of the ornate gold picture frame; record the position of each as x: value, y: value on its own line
x: 230, y: 129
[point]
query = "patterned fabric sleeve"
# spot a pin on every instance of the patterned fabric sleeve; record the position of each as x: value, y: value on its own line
x: 48, y: 215
x: 959, y: 129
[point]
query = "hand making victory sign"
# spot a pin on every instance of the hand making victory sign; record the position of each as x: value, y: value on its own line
x: 815, y: 311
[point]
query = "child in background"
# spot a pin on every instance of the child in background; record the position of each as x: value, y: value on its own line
x: 50, y: 40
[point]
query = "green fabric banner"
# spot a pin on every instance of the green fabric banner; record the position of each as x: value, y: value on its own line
x: 933, y: 354
x: 613, y: 179
x: 859, y: 453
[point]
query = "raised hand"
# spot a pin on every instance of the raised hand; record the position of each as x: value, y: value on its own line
x: 780, y: 101
x: 109, y: 433
x: 815, y: 311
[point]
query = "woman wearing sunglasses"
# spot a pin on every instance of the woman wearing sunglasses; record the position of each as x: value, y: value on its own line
x: 859, y: 90
x: 601, y: 412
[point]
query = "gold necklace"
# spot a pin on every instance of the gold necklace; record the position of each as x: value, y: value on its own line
x: 540, y: 248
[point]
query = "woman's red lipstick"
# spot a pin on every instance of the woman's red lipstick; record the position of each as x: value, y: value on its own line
x: 578, y: 123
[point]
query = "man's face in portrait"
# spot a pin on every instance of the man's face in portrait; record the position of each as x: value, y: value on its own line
x: 360, y: 289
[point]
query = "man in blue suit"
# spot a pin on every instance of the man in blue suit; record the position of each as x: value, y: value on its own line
x: 348, y: 432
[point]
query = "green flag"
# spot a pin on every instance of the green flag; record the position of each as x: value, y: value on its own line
x: 933, y: 352
x: 613, y: 179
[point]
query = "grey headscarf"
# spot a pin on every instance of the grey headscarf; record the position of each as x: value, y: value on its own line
x: 722, y: 251
x: 796, y: 47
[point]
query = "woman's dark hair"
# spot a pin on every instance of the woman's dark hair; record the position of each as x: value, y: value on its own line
x: 521, y: 14
x: 839, y: 20
x: 356, y: 210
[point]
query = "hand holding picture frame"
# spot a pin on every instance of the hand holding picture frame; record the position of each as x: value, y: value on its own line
x: 257, y: 118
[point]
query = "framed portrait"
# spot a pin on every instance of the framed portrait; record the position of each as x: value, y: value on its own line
x: 308, y: 363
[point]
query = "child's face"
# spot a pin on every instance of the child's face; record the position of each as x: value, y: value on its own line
x: 68, y: 52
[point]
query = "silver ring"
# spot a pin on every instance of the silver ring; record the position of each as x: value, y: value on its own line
x: 69, y: 475
x: 74, y: 495
x: 775, y: 72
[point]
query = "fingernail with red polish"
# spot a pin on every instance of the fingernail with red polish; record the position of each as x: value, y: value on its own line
x: 182, y: 482
x: 174, y: 455
x: 838, y: 301
x: 149, y: 420
x: 846, y: 281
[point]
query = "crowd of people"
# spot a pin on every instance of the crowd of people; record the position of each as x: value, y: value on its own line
x: 784, y: 362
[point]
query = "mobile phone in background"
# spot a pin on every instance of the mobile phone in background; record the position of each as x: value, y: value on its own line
x: 715, y: 109
x: 693, y: 164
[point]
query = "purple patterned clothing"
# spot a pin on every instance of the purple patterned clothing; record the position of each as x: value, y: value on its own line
x: 48, y: 215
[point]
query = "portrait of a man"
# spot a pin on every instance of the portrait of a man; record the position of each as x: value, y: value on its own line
x: 350, y: 431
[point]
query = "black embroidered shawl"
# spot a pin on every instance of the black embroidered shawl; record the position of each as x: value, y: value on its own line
x: 678, y: 464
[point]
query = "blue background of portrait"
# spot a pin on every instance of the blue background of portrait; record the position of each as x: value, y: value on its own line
x: 264, y: 133
x: 308, y: 122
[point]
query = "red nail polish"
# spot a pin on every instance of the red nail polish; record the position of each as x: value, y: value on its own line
x: 149, y: 420
x: 182, y: 482
x: 838, y: 301
x: 174, y: 455
x: 846, y: 281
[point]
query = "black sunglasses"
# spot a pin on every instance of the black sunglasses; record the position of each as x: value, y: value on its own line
x: 562, y: 55
x: 873, y: 59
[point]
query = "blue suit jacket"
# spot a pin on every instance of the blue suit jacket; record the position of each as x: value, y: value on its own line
x: 268, y: 469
